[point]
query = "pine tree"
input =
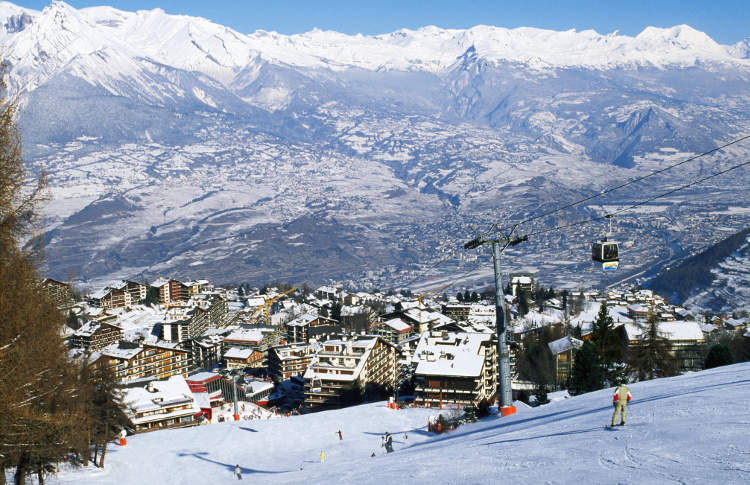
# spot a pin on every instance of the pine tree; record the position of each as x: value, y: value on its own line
x: 607, y: 342
x: 651, y: 356
x: 718, y: 356
x: 467, y: 296
x: 460, y: 297
x: 541, y: 393
x: 586, y: 375
x: 523, y: 304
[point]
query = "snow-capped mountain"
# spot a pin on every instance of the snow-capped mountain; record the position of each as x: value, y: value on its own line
x: 178, y: 144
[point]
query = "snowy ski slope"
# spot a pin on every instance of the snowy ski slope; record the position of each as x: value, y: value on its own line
x: 688, y: 429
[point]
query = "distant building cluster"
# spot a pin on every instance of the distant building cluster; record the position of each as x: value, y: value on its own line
x: 185, y: 351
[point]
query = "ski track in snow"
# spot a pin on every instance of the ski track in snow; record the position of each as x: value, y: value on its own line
x: 690, y: 429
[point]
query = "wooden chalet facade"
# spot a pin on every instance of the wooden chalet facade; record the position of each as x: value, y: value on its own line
x: 367, y: 362
x: 131, y: 360
x: 285, y: 361
x: 94, y: 336
x: 455, y: 369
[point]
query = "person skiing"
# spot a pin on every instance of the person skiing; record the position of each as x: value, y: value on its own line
x: 322, y: 457
x: 405, y: 437
x: 620, y: 399
x: 238, y: 472
x: 388, y: 442
x: 340, y: 437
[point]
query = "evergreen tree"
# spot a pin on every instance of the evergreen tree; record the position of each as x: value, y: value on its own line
x: 460, y: 297
x: 651, y: 356
x: 607, y: 342
x: 508, y: 289
x: 586, y: 375
x: 523, y: 304
x: 541, y: 393
x: 467, y: 296
x: 336, y: 311
x: 565, y: 302
x: 474, y: 297
x: 719, y: 355
x: 72, y: 320
x: 470, y: 414
x: 323, y: 312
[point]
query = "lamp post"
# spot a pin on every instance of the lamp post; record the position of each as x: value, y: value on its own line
x: 503, y: 355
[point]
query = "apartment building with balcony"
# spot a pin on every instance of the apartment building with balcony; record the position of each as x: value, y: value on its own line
x: 94, y: 335
x: 285, y: 361
x: 350, y: 362
x: 455, y: 369
x: 130, y: 360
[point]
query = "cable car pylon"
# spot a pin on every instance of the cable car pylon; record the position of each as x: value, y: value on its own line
x: 503, y: 356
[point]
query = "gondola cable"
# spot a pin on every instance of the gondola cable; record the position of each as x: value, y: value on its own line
x: 607, y: 191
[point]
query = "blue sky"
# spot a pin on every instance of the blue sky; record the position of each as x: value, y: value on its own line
x: 726, y: 21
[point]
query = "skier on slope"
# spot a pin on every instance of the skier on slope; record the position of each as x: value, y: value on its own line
x: 388, y: 442
x: 238, y: 472
x: 340, y: 437
x: 620, y: 399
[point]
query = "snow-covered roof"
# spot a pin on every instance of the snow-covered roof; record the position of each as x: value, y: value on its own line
x: 258, y: 386
x: 564, y: 344
x: 636, y: 308
x: 158, y: 395
x: 247, y: 335
x: 450, y: 354
x: 302, y: 320
x: 238, y: 353
x: 682, y: 330
x: 398, y: 325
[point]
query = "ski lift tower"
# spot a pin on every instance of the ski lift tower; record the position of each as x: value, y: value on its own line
x: 503, y: 356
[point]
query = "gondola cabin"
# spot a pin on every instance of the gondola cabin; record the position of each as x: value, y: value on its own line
x: 607, y: 254
x: 315, y: 385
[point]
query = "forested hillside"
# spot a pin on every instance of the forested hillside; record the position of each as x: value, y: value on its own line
x: 695, y: 272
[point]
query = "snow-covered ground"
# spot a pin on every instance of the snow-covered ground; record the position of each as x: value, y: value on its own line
x: 687, y: 429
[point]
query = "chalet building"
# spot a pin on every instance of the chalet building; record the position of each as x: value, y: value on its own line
x: 355, y: 319
x: 285, y: 361
x: 327, y: 293
x: 455, y: 369
x: 131, y: 360
x: 170, y: 290
x: 563, y: 352
x: 111, y: 298
x: 182, y: 323
x: 344, y: 364
x: 94, y: 336
x: 161, y: 404
x: 258, y: 337
x: 521, y: 282
x: 137, y: 290
x: 214, y: 305
x: 58, y: 292
x: 207, y: 350
x: 196, y: 287
x: 456, y: 311
x: 395, y: 330
x: 298, y: 330
x: 686, y: 338
x: 637, y: 311
x: 237, y: 358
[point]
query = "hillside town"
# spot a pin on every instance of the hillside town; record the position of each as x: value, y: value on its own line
x: 191, y: 353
